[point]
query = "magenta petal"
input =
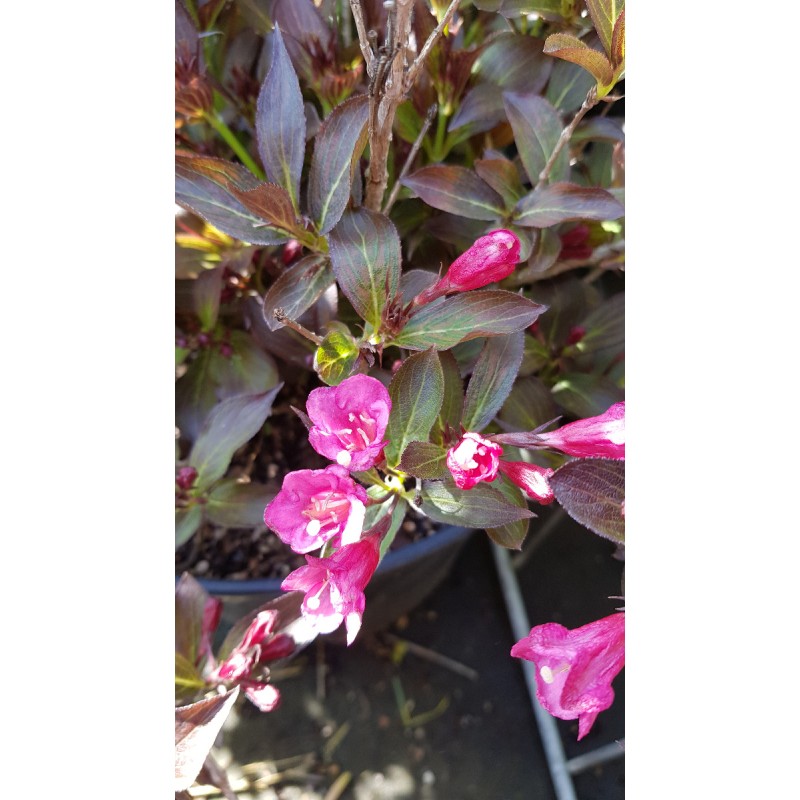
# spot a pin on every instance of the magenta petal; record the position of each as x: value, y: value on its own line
x: 531, y: 478
x: 317, y: 506
x: 574, y: 669
x: 263, y: 695
x: 350, y: 421
x: 594, y: 437
x: 472, y: 460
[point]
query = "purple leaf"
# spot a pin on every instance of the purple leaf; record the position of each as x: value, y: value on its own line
x: 281, y: 122
x: 230, y: 424
x: 336, y: 152
x: 457, y: 190
x: 424, y: 460
x: 592, y: 492
x: 297, y: 289
x: 516, y: 62
x: 570, y: 48
x: 502, y: 176
x: 537, y: 128
x: 561, y: 202
x: 196, y: 728
x: 481, y: 506
x: 492, y: 379
x: 468, y: 316
x: 365, y: 254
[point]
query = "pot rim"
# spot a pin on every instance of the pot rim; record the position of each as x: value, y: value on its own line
x: 394, y: 559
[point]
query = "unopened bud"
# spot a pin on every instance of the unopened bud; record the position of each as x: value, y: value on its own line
x: 186, y: 478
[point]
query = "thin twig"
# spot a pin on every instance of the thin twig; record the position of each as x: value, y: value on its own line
x: 426, y: 123
x: 416, y: 66
x: 434, y: 657
x: 338, y: 786
x: 590, y: 101
x: 280, y: 315
x: 363, y: 39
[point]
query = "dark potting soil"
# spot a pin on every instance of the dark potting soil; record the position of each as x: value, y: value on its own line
x: 256, y: 552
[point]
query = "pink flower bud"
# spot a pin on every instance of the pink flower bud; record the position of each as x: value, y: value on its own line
x: 264, y: 696
x: 574, y: 668
x: 315, y: 506
x: 575, y: 243
x: 531, y: 478
x: 473, y: 459
x: 186, y: 478
x: 594, y: 437
x: 490, y: 259
x: 349, y: 421
x: 334, y: 586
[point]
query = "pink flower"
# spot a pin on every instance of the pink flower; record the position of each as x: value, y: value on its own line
x: 594, y: 437
x: 247, y: 653
x: 574, y: 669
x: 315, y: 506
x: 490, y: 259
x: 531, y: 478
x: 258, y: 644
x: 334, y: 586
x: 473, y: 459
x: 349, y: 421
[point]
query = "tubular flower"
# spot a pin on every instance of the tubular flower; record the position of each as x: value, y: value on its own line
x: 490, y: 259
x: 574, y: 669
x: 531, y: 478
x: 257, y: 645
x: 334, y: 586
x: 594, y: 437
x: 473, y: 459
x: 315, y: 506
x: 349, y: 421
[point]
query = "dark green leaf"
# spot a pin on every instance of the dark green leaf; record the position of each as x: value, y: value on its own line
x: 502, y: 176
x: 468, y: 316
x: 549, y: 9
x: 238, y: 505
x: 230, y: 424
x: 568, y: 86
x: 417, y: 390
x: 336, y: 152
x: 187, y: 521
x: 298, y: 288
x: 599, y: 129
x: 212, y: 200
x: 457, y: 190
x: 512, y: 534
x: 586, y: 395
x: 492, y: 379
x: 604, y: 14
x: 453, y: 402
x: 605, y: 334
x: 570, y: 48
x: 537, y: 128
x: 592, y: 492
x: 515, y: 62
x: 480, y: 507
x: 480, y: 110
x: 195, y: 396
x: 248, y: 370
x: 561, y: 202
x: 529, y: 405
x: 424, y: 460
x: 365, y: 254
x: 281, y: 122
x: 338, y: 357
x: 398, y: 515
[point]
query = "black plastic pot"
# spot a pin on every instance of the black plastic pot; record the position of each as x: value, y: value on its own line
x: 402, y: 581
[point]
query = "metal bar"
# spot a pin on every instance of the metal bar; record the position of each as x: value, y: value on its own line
x: 520, y: 627
x: 608, y: 752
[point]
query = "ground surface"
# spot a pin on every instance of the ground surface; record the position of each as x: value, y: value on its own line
x: 370, y: 722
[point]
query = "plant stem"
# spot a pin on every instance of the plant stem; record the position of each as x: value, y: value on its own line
x: 216, y: 122
x: 426, y: 123
x: 441, y: 130
x: 590, y: 101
